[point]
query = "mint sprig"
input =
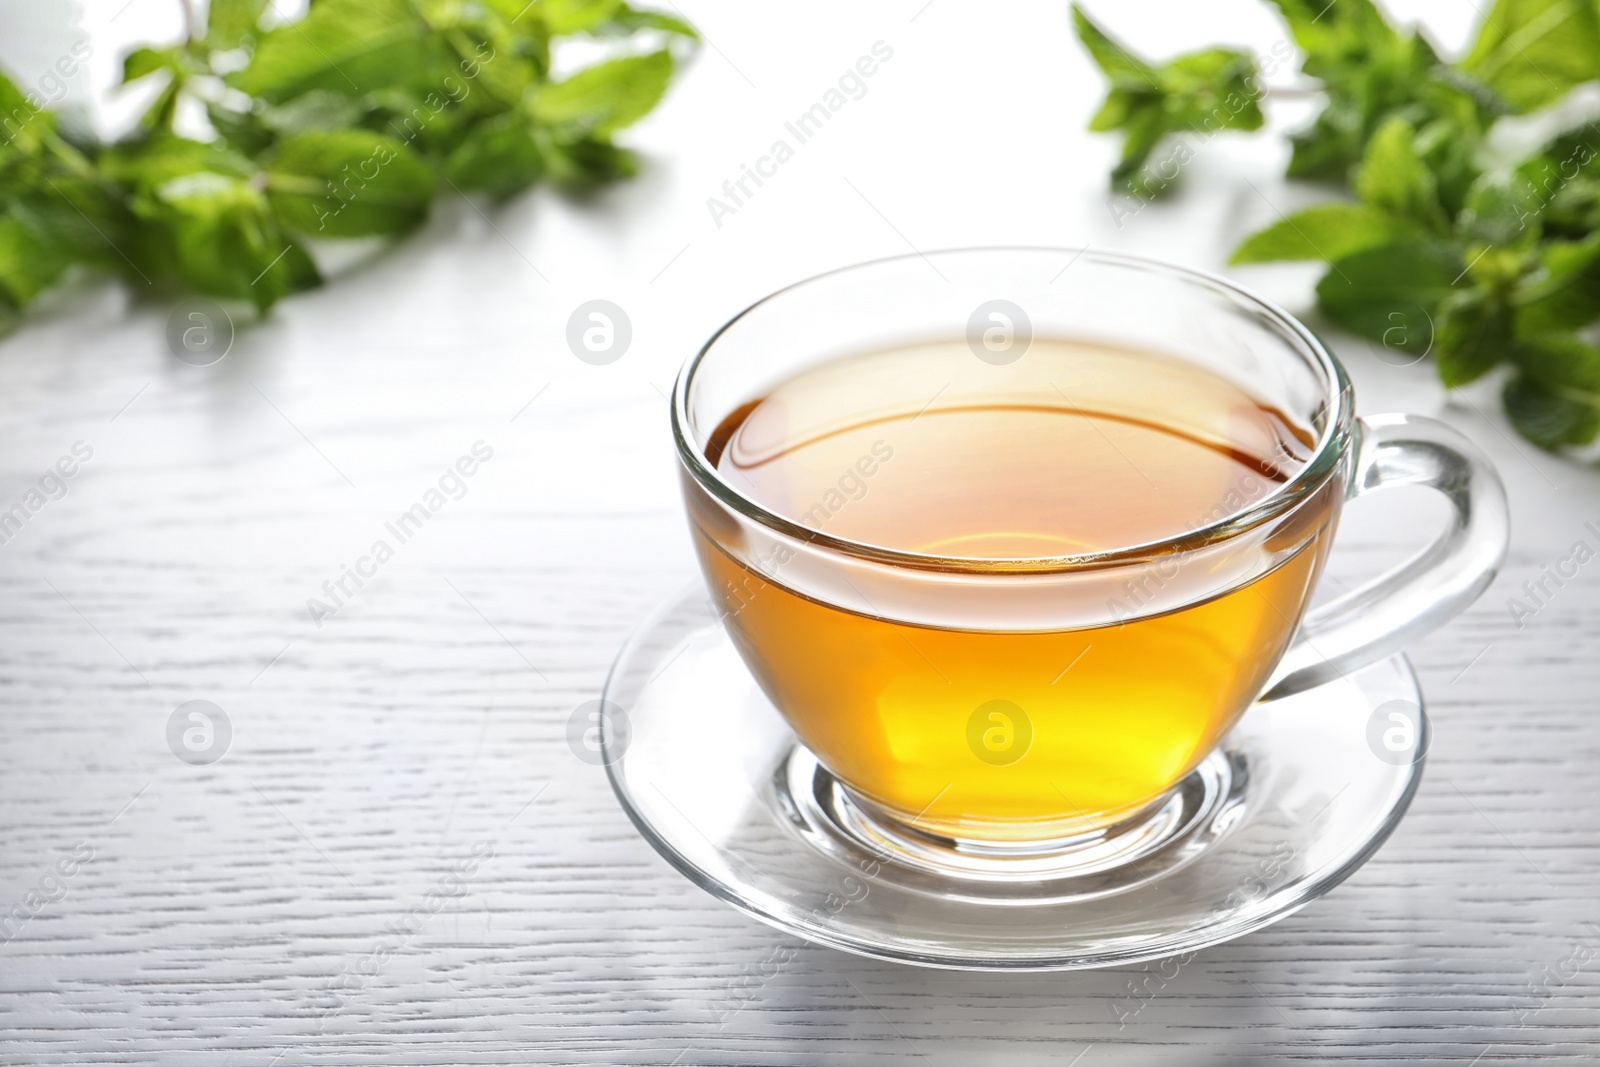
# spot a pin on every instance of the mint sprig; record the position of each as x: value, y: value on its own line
x: 1441, y: 248
x: 1198, y: 92
x: 346, y: 123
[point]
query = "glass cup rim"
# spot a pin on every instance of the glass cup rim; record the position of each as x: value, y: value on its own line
x: 1331, y: 443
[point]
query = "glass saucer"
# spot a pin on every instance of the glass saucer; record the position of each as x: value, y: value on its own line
x: 1301, y: 792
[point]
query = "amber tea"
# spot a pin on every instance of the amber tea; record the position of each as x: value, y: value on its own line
x: 1076, y: 449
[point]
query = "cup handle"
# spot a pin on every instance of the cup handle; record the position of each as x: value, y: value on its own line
x: 1439, y: 582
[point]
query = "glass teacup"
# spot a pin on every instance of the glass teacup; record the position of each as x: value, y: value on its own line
x: 1001, y: 695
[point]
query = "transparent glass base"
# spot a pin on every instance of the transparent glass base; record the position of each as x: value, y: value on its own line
x: 1151, y: 843
x: 1295, y: 800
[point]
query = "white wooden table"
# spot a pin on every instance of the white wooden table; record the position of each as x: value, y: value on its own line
x: 399, y: 859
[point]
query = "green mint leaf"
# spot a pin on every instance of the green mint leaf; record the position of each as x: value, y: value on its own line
x: 631, y: 19
x: 154, y: 161
x: 1395, y: 287
x: 318, y: 109
x: 1555, y: 401
x: 1561, y: 361
x: 228, y: 22
x: 1199, y: 93
x: 348, y: 183
x: 74, y: 219
x: 163, y: 111
x: 1573, y: 211
x: 1572, y: 149
x: 1502, y: 211
x: 501, y: 157
x: 242, y: 131
x: 1533, y: 51
x: 1551, y: 418
x: 220, y: 236
x: 427, y: 124
x: 10, y: 315
x: 28, y: 262
x: 608, y: 96
x: 584, y: 162
x: 12, y: 99
x: 1331, y: 144
x: 292, y: 271
x: 1214, y: 89
x: 1371, y: 71
x: 490, y: 72
x: 1135, y: 103
x: 1472, y: 333
x: 1568, y: 183
x: 145, y: 61
x: 1449, y: 141
x: 1564, y: 292
x: 1393, y: 177
x: 22, y: 122
x: 350, y: 47
x: 1329, y: 232
x: 1117, y: 110
x: 1118, y: 64
x: 573, y: 16
x: 1142, y: 131
x: 1336, y: 36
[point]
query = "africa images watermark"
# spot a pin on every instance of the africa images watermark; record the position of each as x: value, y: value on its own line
x: 1552, y: 180
x: 1141, y: 991
x: 1550, y: 980
x: 803, y: 128
x: 50, y: 887
x: 1155, y: 975
x: 398, y: 935
x: 52, y: 485
x: 1552, y: 578
x: 851, y: 486
x: 456, y: 90
x: 1251, y: 487
x: 51, y: 88
x: 849, y: 890
x: 341, y: 590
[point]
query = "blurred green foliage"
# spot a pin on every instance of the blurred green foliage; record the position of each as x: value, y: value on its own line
x: 1441, y: 247
x: 342, y: 124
